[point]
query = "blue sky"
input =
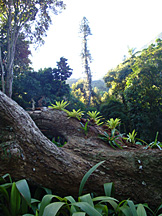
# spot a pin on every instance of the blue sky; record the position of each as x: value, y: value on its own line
x: 115, y: 25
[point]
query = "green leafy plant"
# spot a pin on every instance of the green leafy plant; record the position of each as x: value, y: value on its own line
x: 92, y: 206
x: 94, y: 117
x: 111, y: 139
x: 75, y: 114
x: 59, y: 141
x: 59, y: 105
x: 86, y: 176
x: 113, y: 123
x: 85, y: 127
x: 57, y: 206
x: 131, y: 137
x: 155, y: 143
x: 15, y: 197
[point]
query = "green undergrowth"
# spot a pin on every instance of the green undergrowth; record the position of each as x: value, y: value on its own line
x: 16, y: 200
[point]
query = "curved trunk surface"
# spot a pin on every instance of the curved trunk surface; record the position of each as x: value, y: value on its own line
x: 26, y: 152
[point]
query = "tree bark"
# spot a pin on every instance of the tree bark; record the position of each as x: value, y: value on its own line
x: 3, y: 72
x: 26, y: 153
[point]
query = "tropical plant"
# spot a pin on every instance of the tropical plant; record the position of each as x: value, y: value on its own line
x: 59, y: 105
x: 75, y: 114
x: 85, y: 127
x: 131, y: 137
x: 93, y: 206
x: 155, y: 143
x: 15, y: 197
x: 111, y: 139
x: 94, y: 116
x: 19, y: 199
x: 113, y: 123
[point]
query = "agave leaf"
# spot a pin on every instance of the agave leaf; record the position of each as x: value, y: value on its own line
x: 87, y: 208
x: 38, y: 193
x: 126, y: 210
x: 53, y: 208
x: 48, y: 191
x: 73, y: 209
x: 4, y: 192
x: 24, y: 190
x: 6, y: 185
x: 102, y: 209
x: 110, y: 200
x: 35, y: 205
x: 109, y: 189
x: 141, y: 210
x: 160, y: 207
x: 86, y: 198
x: 24, y: 206
x: 70, y: 199
x: 86, y: 176
x: 79, y: 214
x: 132, y: 208
x: 15, y: 200
x: 28, y: 215
x: 45, y: 201
x: 104, y: 199
x: 5, y: 176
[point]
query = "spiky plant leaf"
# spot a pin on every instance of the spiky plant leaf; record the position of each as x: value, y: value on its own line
x: 86, y: 176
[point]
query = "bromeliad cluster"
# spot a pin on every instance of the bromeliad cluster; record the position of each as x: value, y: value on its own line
x: 109, y: 134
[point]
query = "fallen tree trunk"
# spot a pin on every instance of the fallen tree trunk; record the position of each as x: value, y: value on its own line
x: 26, y: 153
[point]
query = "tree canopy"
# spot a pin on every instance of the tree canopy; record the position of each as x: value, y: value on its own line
x: 30, y: 17
x: 44, y: 86
x: 137, y: 83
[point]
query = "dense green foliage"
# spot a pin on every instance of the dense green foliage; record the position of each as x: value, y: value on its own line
x: 79, y: 91
x: 21, y: 60
x: 44, y: 86
x: 32, y: 18
x: 136, y: 85
x: 15, y: 200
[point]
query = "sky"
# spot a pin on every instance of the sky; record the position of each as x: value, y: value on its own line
x: 116, y: 25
